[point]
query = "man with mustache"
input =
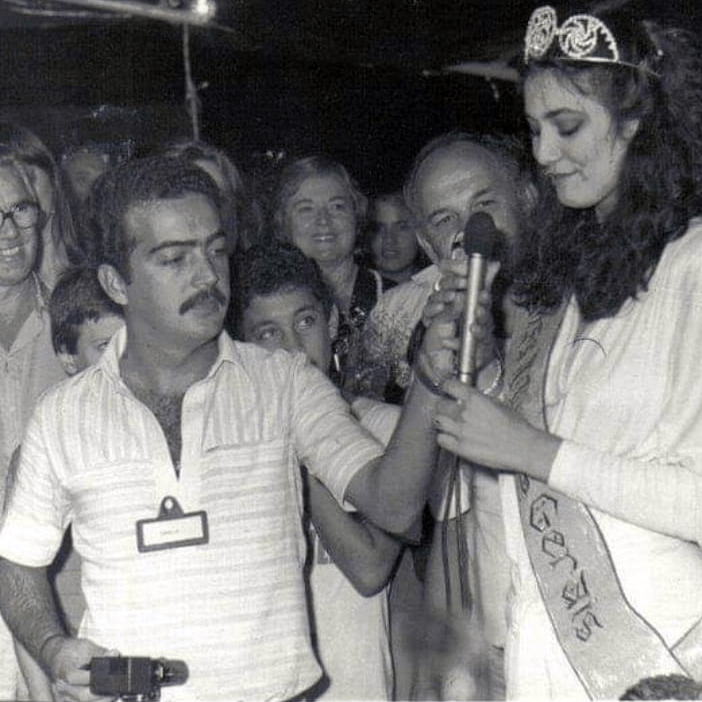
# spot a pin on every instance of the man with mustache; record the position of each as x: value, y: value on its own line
x: 175, y: 460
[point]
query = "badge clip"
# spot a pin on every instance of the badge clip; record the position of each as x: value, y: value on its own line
x: 172, y: 528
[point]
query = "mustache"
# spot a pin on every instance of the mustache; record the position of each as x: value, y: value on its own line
x: 209, y: 295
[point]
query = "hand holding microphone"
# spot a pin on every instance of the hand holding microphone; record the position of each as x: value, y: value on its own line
x: 460, y: 299
x: 480, y: 238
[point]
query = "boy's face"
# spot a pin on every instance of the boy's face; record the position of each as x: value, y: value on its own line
x: 292, y: 319
x: 92, y: 340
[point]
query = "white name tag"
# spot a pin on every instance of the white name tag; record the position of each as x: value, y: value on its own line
x: 172, y: 528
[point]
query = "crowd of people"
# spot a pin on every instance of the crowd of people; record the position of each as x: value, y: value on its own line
x: 234, y: 440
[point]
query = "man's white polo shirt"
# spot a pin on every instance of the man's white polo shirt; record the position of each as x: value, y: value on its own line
x: 234, y: 608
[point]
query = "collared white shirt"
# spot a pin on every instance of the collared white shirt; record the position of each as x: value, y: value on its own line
x: 624, y: 395
x: 27, y: 369
x: 233, y: 609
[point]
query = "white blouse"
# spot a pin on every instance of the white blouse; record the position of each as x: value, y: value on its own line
x: 626, y: 397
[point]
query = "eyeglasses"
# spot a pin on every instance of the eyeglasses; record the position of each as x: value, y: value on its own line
x: 23, y: 214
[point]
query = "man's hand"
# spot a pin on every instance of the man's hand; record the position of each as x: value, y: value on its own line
x: 68, y: 661
x: 441, y: 317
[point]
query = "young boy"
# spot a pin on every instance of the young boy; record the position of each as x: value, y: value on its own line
x: 284, y: 304
x: 83, y: 320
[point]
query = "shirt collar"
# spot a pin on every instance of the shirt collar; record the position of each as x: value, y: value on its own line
x: 41, y: 294
x: 227, y: 353
x: 109, y: 362
x: 427, y: 275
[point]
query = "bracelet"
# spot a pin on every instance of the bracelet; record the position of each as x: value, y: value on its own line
x: 496, y: 385
x: 432, y: 385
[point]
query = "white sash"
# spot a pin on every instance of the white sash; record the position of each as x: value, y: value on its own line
x: 608, y: 644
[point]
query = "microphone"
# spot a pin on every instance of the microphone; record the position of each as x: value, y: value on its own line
x: 480, y: 237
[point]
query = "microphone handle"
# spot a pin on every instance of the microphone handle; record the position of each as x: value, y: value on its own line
x: 467, y: 353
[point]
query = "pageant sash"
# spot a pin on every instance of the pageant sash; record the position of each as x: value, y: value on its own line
x: 608, y: 644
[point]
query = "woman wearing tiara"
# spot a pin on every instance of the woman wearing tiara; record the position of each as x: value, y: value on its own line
x: 598, y: 437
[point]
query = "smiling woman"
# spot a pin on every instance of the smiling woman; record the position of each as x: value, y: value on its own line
x: 319, y: 209
x: 19, y: 230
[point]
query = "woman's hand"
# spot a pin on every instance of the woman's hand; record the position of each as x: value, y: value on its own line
x: 481, y: 430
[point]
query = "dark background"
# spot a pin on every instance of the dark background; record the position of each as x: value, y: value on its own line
x: 127, y: 81
x: 365, y: 82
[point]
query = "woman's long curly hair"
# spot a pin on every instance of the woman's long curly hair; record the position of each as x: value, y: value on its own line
x: 567, y: 252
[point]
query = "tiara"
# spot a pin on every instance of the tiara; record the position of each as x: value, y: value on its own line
x: 580, y: 38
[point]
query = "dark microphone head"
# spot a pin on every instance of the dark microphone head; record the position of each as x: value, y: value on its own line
x: 480, y: 235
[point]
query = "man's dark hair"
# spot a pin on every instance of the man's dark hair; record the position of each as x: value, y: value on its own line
x: 266, y: 270
x: 139, y: 181
x: 76, y: 299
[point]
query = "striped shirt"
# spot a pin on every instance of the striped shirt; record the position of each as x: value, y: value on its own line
x: 233, y: 609
x: 27, y: 368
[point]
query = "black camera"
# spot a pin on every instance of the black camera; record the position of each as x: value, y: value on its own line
x: 134, y: 678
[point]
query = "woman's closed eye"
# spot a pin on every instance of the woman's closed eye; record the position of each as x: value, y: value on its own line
x: 569, y: 127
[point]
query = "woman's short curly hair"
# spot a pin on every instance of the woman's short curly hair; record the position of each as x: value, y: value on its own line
x: 298, y: 171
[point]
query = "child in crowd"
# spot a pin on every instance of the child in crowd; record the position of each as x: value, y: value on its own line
x: 83, y: 320
x: 284, y: 304
x: 391, y: 238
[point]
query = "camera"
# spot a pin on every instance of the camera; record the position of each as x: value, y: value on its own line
x: 134, y: 678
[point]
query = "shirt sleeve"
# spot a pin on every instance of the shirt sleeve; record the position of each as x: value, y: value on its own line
x: 658, y: 484
x: 327, y: 438
x: 37, y: 509
x: 379, y: 418
x: 654, y: 494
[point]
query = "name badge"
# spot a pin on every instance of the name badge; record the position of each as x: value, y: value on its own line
x: 172, y: 528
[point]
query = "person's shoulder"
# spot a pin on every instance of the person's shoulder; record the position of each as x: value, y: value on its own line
x: 686, y: 251
x: 277, y: 364
x: 69, y: 390
x: 680, y: 265
x: 412, y: 292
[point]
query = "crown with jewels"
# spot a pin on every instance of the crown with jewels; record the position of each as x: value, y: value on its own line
x: 579, y: 38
